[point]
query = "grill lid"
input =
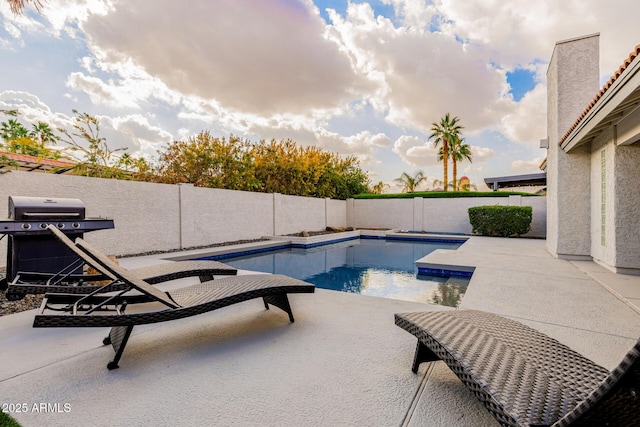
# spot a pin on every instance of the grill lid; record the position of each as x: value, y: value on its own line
x: 25, y: 208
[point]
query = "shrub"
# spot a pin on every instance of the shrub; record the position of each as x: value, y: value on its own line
x: 443, y: 194
x: 501, y: 221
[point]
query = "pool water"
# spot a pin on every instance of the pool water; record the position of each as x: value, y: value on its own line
x: 382, y: 268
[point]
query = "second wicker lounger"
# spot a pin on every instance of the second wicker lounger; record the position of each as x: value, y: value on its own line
x: 522, y: 376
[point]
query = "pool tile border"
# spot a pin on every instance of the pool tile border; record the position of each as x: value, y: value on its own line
x: 288, y: 242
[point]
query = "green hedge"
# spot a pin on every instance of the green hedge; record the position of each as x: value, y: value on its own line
x: 443, y: 194
x: 504, y: 221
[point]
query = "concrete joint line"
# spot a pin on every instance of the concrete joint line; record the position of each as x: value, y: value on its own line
x: 416, y: 398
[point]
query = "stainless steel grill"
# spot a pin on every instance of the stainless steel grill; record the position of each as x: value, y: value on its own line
x: 34, y: 249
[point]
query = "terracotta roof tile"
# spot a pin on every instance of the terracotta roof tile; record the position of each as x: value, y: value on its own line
x: 33, y: 159
x: 614, y: 77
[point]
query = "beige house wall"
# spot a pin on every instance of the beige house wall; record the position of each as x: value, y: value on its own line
x: 572, y: 81
x: 603, y: 253
x: 593, y: 190
x: 619, y: 248
x: 625, y: 220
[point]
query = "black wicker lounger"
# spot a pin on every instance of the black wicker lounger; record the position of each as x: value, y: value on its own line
x: 66, y: 282
x: 523, y: 377
x: 69, y: 310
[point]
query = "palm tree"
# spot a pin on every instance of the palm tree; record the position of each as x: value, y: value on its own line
x: 17, y: 6
x: 13, y: 129
x: 42, y: 132
x: 442, y: 134
x: 379, y: 187
x: 459, y: 151
x: 410, y: 183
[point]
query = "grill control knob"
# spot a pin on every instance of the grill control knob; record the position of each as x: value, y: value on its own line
x: 43, y: 225
x: 26, y: 226
x: 60, y: 225
x: 75, y: 225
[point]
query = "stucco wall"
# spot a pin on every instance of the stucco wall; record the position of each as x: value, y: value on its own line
x: 294, y: 214
x: 146, y: 215
x: 159, y: 217
x: 572, y: 82
x: 603, y: 253
x: 621, y: 248
x: 626, y: 223
x: 574, y: 207
x: 440, y: 215
x: 336, y: 213
x: 212, y: 215
x: 382, y: 213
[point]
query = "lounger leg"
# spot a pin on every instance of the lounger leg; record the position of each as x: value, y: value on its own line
x: 423, y: 354
x: 281, y: 301
x: 118, y: 338
x: 205, y: 278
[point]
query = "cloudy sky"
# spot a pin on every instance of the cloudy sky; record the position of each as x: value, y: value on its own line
x: 362, y: 78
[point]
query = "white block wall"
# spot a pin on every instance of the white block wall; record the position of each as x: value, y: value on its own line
x: 211, y: 215
x: 293, y: 214
x: 159, y: 217
x: 440, y: 215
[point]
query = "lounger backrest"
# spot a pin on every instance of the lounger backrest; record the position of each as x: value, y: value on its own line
x: 614, y: 401
x: 86, y: 258
x: 124, y: 275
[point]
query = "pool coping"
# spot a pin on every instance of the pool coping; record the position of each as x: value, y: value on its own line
x: 285, y: 242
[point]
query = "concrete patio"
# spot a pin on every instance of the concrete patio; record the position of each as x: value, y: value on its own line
x: 343, y: 362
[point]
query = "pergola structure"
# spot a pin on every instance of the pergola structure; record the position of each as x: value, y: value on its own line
x: 529, y: 180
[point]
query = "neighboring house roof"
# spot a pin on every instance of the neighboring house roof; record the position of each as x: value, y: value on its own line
x: 32, y: 163
x: 533, y: 179
x: 617, y: 113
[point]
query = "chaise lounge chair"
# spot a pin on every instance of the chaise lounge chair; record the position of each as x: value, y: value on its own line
x: 66, y: 281
x: 523, y: 377
x: 93, y: 310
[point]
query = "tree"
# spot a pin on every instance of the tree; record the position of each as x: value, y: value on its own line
x: 42, y: 131
x: 379, y: 188
x: 270, y: 167
x: 17, y: 6
x: 207, y: 161
x: 459, y: 152
x: 17, y: 139
x: 13, y: 129
x: 442, y: 134
x: 410, y: 183
x: 97, y: 159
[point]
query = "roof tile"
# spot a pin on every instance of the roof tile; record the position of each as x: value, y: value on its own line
x: 634, y: 54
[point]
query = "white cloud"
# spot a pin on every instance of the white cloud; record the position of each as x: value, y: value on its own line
x: 32, y: 110
x: 143, y: 137
x: 421, y: 75
x: 362, y: 145
x: 156, y: 68
x: 481, y: 154
x: 532, y: 165
x: 248, y: 55
x: 99, y: 91
x: 415, y: 151
x: 528, y: 122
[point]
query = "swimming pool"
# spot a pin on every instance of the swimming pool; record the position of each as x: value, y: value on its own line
x: 376, y: 267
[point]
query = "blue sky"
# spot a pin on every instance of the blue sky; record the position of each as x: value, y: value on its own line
x: 361, y: 78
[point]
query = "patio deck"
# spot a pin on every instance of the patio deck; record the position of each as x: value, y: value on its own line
x: 343, y: 362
